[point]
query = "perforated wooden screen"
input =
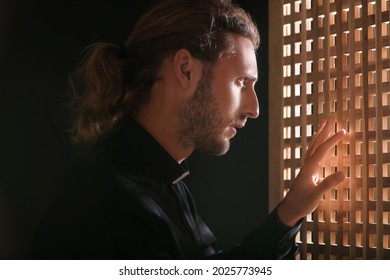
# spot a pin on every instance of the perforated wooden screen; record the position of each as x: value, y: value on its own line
x: 333, y: 58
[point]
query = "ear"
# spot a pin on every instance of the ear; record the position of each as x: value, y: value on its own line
x: 186, y: 67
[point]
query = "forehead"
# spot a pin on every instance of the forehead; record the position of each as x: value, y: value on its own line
x: 243, y: 61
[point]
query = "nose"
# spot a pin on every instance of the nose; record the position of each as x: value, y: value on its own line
x: 251, y: 104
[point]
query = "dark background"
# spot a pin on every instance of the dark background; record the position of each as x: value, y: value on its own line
x: 40, y: 45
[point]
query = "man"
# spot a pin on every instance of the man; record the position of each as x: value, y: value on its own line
x: 183, y: 81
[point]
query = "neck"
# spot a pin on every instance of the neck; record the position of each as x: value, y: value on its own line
x: 162, y: 127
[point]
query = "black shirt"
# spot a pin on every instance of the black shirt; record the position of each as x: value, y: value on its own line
x: 125, y: 199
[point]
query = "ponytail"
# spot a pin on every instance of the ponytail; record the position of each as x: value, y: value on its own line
x: 104, y: 96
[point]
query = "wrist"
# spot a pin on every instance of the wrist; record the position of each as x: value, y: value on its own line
x: 286, y: 215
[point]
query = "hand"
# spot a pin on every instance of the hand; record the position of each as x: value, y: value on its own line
x: 306, y: 190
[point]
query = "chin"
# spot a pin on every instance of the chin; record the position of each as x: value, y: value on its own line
x: 216, y: 146
x: 220, y: 148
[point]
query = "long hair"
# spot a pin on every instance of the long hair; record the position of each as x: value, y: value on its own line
x: 117, y: 80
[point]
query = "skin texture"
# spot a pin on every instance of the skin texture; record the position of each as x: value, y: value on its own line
x: 224, y: 99
x: 198, y: 106
x: 305, y: 192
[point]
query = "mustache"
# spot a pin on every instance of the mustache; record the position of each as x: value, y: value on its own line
x: 239, y: 122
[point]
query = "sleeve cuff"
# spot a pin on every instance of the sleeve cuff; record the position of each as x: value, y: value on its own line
x: 273, y: 239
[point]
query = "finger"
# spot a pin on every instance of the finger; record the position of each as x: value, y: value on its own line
x: 326, y: 131
x: 315, y: 135
x: 326, y: 128
x: 314, y: 138
x: 321, y: 151
x: 330, y: 182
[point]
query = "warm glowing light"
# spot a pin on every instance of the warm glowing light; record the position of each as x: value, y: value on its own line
x: 333, y: 71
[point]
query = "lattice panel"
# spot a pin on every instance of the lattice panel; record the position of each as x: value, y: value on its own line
x: 336, y: 61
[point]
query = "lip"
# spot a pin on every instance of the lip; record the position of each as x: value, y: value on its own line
x: 238, y: 125
x: 235, y: 126
x: 233, y: 130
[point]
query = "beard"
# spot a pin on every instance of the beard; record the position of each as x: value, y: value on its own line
x: 201, y: 124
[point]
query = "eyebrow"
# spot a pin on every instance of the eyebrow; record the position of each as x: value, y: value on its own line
x: 251, y: 77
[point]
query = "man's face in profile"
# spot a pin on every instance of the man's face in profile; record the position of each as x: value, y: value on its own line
x: 223, y: 101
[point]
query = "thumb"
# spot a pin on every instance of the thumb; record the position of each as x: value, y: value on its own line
x: 331, y: 181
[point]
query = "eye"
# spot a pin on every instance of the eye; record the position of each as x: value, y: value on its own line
x: 241, y: 81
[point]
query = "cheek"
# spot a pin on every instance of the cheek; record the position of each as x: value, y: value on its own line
x: 227, y: 96
x: 231, y: 102
x: 228, y: 99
